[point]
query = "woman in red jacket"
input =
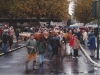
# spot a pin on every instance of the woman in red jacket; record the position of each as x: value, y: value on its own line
x: 75, y: 46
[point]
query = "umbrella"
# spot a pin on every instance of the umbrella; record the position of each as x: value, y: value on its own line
x: 82, y: 28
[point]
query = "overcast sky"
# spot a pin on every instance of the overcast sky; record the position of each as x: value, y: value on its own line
x: 71, y: 7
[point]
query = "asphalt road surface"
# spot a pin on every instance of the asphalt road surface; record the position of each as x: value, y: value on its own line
x: 14, y: 64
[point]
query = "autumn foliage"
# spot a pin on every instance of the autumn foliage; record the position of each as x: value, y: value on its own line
x: 83, y: 11
x: 34, y: 8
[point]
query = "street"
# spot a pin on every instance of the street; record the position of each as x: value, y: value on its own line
x: 14, y: 64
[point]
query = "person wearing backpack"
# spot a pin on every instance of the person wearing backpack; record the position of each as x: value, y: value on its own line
x: 41, y: 47
x: 31, y: 46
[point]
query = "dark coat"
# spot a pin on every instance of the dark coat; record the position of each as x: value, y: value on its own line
x: 10, y: 39
x: 91, y: 42
x: 55, y: 42
x: 5, y: 38
x: 17, y: 32
x: 49, y: 39
x: 41, y: 47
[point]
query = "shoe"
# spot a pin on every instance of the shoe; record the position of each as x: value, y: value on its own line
x: 34, y: 62
x: 9, y: 50
x: 73, y: 57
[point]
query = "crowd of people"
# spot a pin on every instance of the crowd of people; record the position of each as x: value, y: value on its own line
x: 7, y: 37
x: 57, y: 43
x: 8, y: 34
x: 54, y: 42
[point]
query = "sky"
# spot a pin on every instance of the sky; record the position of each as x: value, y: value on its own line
x: 71, y: 5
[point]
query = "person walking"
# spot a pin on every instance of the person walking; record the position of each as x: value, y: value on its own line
x: 62, y: 45
x: 5, y: 39
x: 10, y: 39
x: 55, y: 44
x: 71, y: 44
x: 31, y: 46
x: 17, y: 34
x: 92, y: 45
x: 85, y: 37
x: 41, y: 47
x: 75, y: 46
x: 49, y: 41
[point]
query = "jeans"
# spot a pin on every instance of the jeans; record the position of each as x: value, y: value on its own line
x: 49, y: 46
x: 4, y: 47
x: 41, y: 57
x: 85, y: 42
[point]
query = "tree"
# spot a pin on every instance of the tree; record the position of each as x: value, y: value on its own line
x: 83, y: 11
x: 9, y: 8
x: 50, y: 9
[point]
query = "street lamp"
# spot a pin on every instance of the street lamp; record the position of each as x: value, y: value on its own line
x: 94, y: 15
x: 98, y: 29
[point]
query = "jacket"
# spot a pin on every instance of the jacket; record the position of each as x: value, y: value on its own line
x: 55, y: 42
x: 71, y: 41
x: 41, y: 47
x: 91, y: 42
x: 31, y: 43
x: 49, y: 39
x: 85, y: 36
x: 76, y: 44
x: 17, y: 32
x: 5, y: 38
x: 10, y: 39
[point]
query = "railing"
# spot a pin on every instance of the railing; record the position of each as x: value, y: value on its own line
x: 89, y: 59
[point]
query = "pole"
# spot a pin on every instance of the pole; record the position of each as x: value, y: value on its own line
x: 98, y: 30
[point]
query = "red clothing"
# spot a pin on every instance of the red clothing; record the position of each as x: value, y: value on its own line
x: 0, y: 32
x: 71, y: 41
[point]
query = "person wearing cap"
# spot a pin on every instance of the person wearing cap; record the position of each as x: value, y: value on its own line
x: 31, y: 46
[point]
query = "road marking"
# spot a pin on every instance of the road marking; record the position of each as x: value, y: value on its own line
x: 14, y: 62
x: 1, y: 53
x: 5, y: 66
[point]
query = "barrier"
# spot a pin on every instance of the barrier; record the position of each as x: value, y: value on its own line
x: 89, y: 59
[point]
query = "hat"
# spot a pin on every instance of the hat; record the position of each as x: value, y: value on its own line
x: 31, y: 34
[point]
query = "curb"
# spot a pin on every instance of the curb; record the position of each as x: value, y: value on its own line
x: 12, y: 50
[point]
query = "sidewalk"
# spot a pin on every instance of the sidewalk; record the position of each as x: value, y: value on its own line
x: 15, y: 46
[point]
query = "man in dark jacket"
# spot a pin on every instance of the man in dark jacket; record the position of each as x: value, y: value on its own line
x: 5, y: 39
x: 49, y: 41
x: 91, y: 44
x: 17, y: 34
x: 55, y: 44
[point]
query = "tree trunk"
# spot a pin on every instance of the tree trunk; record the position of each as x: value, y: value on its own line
x: 85, y: 22
x: 49, y: 23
